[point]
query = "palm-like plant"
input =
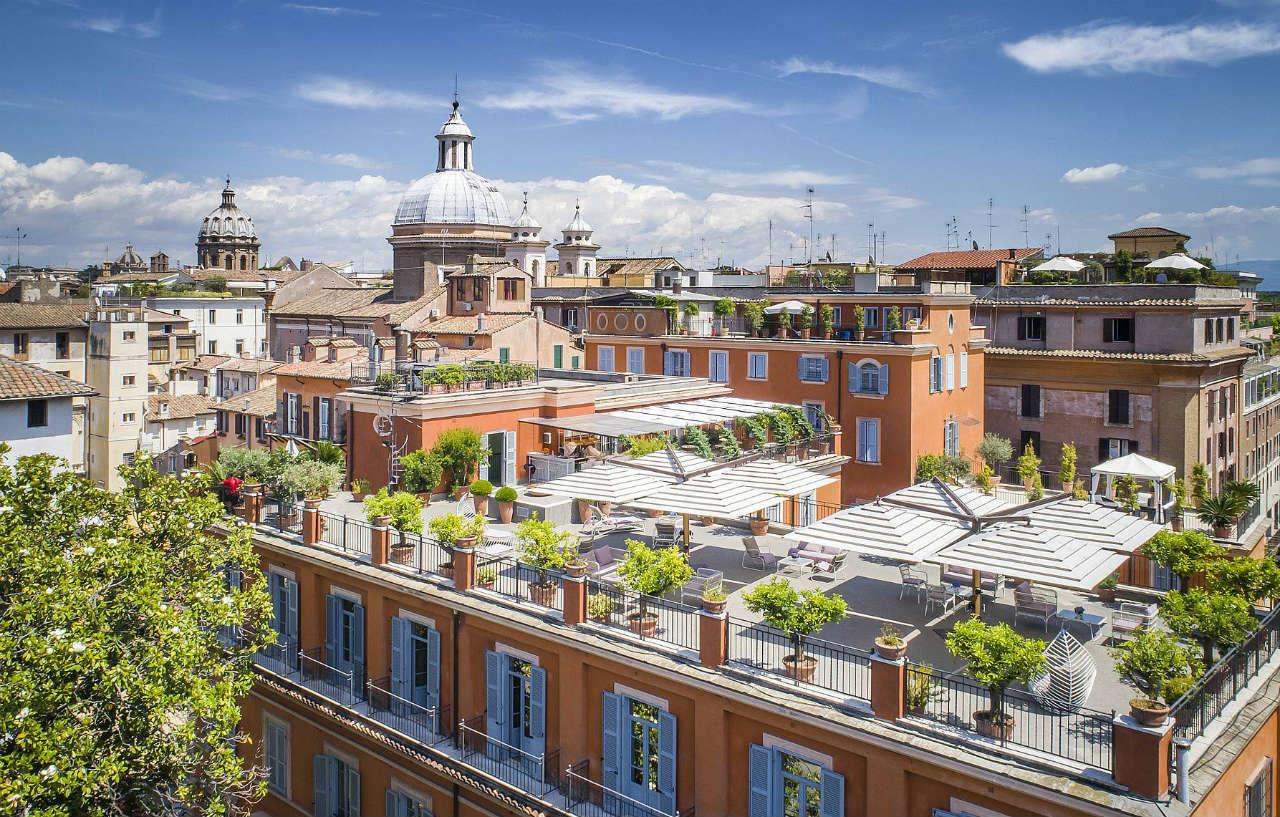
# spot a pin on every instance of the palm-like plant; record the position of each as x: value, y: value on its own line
x: 1221, y: 511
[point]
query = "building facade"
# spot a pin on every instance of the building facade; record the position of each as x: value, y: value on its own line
x: 116, y: 370
x: 53, y: 337
x: 230, y: 325
x: 37, y: 410
x: 228, y: 239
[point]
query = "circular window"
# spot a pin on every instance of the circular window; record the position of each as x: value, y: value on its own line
x: 620, y: 321
x: 602, y: 321
x: 951, y: 322
x: 640, y: 323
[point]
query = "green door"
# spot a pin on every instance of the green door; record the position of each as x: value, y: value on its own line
x: 557, y: 356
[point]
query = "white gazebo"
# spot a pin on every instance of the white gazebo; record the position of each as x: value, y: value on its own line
x: 792, y: 307
x: 609, y: 483
x: 1142, y: 469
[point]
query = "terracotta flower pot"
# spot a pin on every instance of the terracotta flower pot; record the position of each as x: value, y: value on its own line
x: 425, y: 496
x: 800, y: 670
x: 382, y: 521
x: 457, y: 493
x: 465, y: 542
x: 1175, y: 523
x: 891, y: 651
x: 481, y: 503
x: 577, y: 570
x: 606, y: 508
x: 505, y: 511
x: 804, y: 334
x: 1068, y: 487
x: 1148, y: 712
x: 988, y: 727
x: 645, y: 626
x: 714, y: 606
x: 1106, y: 594
x: 1222, y: 531
x: 543, y: 594
x: 583, y: 510
x: 402, y: 554
x: 759, y: 527
x: 653, y: 514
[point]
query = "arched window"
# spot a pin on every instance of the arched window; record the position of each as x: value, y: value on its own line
x: 869, y: 378
x: 534, y: 267
x: 1231, y: 328
x: 244, y: 262
x: 227, y: 261
x: 586, y: 268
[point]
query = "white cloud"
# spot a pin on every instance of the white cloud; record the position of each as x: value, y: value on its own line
x: 1140, y: 187
x: 1232, y: 213
x: 1091, y: 175
x: 792, y: 178
x: 75, y: 210
x: 350, y: 93
x: 894, y: 78
x: 1127, y: 48
x: 331, y: 11
x: 572, y: 95
x: 1247, y: 169
x: 354, y: 160
x: 143, y: 29
x: 208, y: 91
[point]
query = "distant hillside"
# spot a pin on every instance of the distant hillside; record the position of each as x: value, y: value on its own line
x: 1269, y: 270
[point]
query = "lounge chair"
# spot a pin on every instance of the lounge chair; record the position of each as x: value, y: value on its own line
x: 833, y: 566
x: 1132, y: 617
x: 1035, y: 603
x: 599, y: 523
x: 914, y: 579
x: 603, y: 564
x: 703, y: 577
x: 822, y: 554
x: 664, y: 534
x: 756, y: 559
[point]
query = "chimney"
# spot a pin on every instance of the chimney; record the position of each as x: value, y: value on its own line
x: 402, y: 345
x: 295, y: 354
x: 481, y: 321
x: 306, y: 265
x: 1012, y: 254
x: 163, y: 407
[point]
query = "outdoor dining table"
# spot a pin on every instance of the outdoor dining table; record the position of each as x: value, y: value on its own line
x: 1091, y: 620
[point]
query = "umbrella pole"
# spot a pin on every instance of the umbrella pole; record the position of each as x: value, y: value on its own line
x: 684, y: 546
x: 977, y: 592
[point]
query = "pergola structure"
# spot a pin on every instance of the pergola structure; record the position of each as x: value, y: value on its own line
x: 1143, y: 469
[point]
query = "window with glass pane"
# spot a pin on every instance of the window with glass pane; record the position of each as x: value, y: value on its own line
x: 644, y: 745
x: 869, y: 378
x: 801, y: 787
x: 520, y: 681
x: 758, y: 365
x: 277, y: 756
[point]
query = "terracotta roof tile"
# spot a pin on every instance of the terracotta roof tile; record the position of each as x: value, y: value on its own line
x: 181, y: 406
x: 357, y: 303
x: 258, y: 403
x: 466, y: 324
x: 323, y: 369
x: 968, y: 259
x: 253, y: 365
x: 1148, y: 232
x: 23, y: 381
x: 41, y: 316
x: 207, y: 363
x: 1098, y: 354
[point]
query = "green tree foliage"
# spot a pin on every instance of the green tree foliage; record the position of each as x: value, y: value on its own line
x: 460, y: 451
x: 1127, y: 492
x: 697, y: 438
x: 948, y: 469
x: 1250, y: 579
x: 330, y: 453
x: 405, y: 510
x: 1199, y: 482
x: 1184, y: 553
x: 314, y: 480
x: 421, y: 472
x: 1156, y: 664
x: 1124, y: 266
x: 1067, y: 468
x: 639, y: 446
x: 116, y: 695
x: 827, y: 318
x: 724, y: 308
x: 653, y: 571
x: 996, y: 656
x: 995, y: 449
x: 1028, y: 465
x: 1218, y: 620
x: 796, y: 613
x: 544, y: 546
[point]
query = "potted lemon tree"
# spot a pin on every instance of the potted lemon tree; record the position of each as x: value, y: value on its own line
x: 403, y: 512
x: 1159, y: 667
x: 797, y: 614
x: 997, y: 657
x: 545, y: 548
x: 651, y: 572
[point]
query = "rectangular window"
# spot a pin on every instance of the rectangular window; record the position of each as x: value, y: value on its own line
x: 128, y: 417
x: 504, y: 354
x: 950, y: 371
x: 639, y: 754
x: 1118, y: 407
x: 1032, y: 437
x: 1032, y: 402
x: 212, y: 347
x: 127, y: 380
x: 813, y: 369
x: 635, y: 359
x: 239, y: 346
x: 604, y: 358
x: 868, y: 440
x: 415, y: 666
x: 62, y: 345
x: 868, y: 377
x: 718, y: 367
x: 291, y: 411
x: 871, y: 317
x: 477, y: 289
x: 323, y: 405
x: 911, y: 313
x: 757, y: 365
x: 239, y: 424
x: 510, y: 289
x: 782, y: 782
x: 239, y: 316
x: 677, y: 363
x: 935, y: 374
x: 213, y: 316
x: 1031, y: 327
x: 515, y: 703
x: 571, y: 319
x: 337, y: 787
x: 37, y: 413
x: 21, y: 343
x: 951, y: 438
x: 557, y: 356
x: 575, y: 362
x: 964, y: 370
x: 1117, y: 330
x: 277, y: 756
x: 835, y: 316
x: 1257, y: 794
x: 814, y: 412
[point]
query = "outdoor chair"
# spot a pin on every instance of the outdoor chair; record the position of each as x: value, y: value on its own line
x: 703, y: 577
x: 1132, y: 617
x: 466, y: 507
x: 914, y: 579
x: 603, y: 564
x: 756, y: 559
x: 941, y: 595
x: 664, y: 534
x: 834, y: 565
x: 599, y: 523
x: 1035, y: 603
x: 822, y: 554
x: 960, y: 575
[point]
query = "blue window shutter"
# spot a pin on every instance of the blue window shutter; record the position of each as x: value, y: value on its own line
x: 666, y: 762
x: 401, y: 645
x: 357, y: 651
x: 433, y: 669
x: 800, y: 368
x: 495, y: 665
x: 666, y: 363
x: 852, y: 379
x: 352, y: 780
x: 832, y: 794
x: 332, y: 615
x: 759, y: 782
x: 323, y: 776
x: 611, y: 710
x: 537, y: 710
x: 291, y: 611
x: 394, y: 804
x: 884, y: 378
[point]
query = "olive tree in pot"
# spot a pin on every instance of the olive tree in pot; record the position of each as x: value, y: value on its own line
x: 1159, y: 667
x: 452, y: 531
x: 806, y: 322
x: 651, y: 572
x: 890, y: 644
x: 996, y: 657
x: 1218, y: 621
x: 506, y: 499
x: 995, y: 452
x: 545, y: 548
x: 723, y: 310
x: 798, y: 614
x: 460, y: 450
x: 402, y: 511
x: 421, y: 473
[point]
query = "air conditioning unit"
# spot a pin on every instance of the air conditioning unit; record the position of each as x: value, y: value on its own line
x: 466, y: 307
x: 546, y: 438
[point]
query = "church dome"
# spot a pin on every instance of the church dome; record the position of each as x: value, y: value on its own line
x: 228, y: 221
x: 579, y: 224
x: 453, y: 197
x: 129, y: 258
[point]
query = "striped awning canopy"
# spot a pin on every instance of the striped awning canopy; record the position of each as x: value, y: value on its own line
x: 1106, y: 527
x: 696, y: 412
x: 883, y: 530
x: 1036, y: 554
x: 708, y: 495
x: 607, y: 483
x: 776, y: 477
x: 956, y: 499
x: 671, y: 462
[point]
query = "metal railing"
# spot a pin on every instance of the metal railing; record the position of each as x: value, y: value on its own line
x: 536, y: 774
x: 672, y: 622
x: 280, y: 657
x: 516, y: 580
x: 346, y: 534
x: 284, y: 515
x: 587, y: 798
x: 424, y: 554
x: 413, y: 720
x: 1082, y: 736
x: 425, y: 378
x: 829, y: 665
x: 1224, y: 681
x: 344, y: 686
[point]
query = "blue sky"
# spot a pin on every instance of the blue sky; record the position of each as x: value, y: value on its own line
x: 683, y: 128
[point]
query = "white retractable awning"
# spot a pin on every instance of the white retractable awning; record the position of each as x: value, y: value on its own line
x: 1106, y: 527
x: 776, y: 477
x: 883, y: 530
x: 1035, y: 554
x: 954, y: 499
x: 670, y: 462
x: 708, y: 495
x: 607, y: 483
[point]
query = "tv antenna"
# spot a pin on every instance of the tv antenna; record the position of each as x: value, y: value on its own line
x: 18, y: 235
x: 808, y: 208
x: 991, y: 203
x: 1025, y: 221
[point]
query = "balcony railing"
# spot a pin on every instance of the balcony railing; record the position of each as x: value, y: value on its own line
x: 524, y: 583
x: 415, y: 721
x: 280, y: 657
x: 675, y: 623
x: 1224, y: 681
x: 346, y: 534
x: 837, y: 668
x: 536, y: 774
x: 587, y: 798
x: 342, y: 685
x: 441, y: 378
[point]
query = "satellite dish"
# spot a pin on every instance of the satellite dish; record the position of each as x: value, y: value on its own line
x: 382, y: 425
